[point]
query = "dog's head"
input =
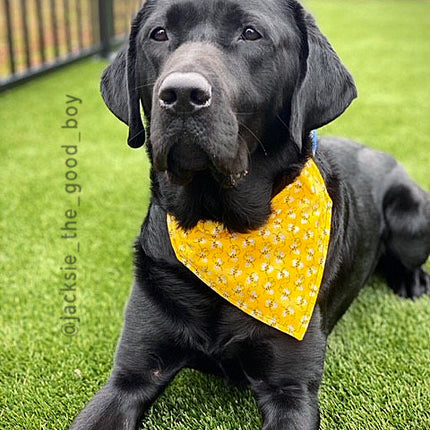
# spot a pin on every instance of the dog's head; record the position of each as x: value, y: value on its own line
x: 214, y: 75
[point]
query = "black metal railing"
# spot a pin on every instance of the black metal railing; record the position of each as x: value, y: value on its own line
x: 41, y: 35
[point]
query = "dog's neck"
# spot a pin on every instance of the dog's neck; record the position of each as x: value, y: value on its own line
x: 242, y: 208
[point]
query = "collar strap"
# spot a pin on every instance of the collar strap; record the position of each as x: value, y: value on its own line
x: 314, y: 142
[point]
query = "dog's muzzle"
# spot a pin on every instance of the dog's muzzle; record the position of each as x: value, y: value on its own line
x: 193, y: 124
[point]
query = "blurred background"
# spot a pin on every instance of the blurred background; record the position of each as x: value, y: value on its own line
x: 40, y: 35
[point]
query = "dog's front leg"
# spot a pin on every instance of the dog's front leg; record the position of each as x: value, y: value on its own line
x: 288, y: 405
x: 145, y: 363
x: 286, y: 379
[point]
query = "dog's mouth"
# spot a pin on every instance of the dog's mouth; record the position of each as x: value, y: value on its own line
x: 182, y: 162
x: 186, y: 176
x: 185, y: 161
x: 182, y: 158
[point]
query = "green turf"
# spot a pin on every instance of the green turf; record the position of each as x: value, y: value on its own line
x: 378, y: 362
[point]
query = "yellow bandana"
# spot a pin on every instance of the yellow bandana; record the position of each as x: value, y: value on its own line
x: 274, y: 273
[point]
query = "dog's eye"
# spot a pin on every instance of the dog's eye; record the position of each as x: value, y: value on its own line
x: 250, y: 34
x: 159, y: 34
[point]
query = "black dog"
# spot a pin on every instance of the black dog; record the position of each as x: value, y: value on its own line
x: 231, y: 90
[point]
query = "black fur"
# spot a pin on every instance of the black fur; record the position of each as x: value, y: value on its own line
x: 225, y: 162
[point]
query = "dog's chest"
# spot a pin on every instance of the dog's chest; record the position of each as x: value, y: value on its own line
x: 274, y: 273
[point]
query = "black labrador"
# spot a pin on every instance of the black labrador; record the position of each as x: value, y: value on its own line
x: 231, y: 90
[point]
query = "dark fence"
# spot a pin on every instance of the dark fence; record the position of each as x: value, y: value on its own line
x: 41, y: 35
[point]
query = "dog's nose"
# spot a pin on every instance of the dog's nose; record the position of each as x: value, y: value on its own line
x: 185, y: 92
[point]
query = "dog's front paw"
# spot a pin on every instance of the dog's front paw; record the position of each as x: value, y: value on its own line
x: 109, y: 409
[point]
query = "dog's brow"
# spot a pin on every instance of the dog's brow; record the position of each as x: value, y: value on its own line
x: 181, y: 13
x: 222, y: 14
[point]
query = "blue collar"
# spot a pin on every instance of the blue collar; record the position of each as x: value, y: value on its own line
x: 314, y: 142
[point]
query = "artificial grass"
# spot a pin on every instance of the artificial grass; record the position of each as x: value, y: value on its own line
x: 377, y: 373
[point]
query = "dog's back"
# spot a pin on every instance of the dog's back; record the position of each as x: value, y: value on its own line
x: 386, y: 219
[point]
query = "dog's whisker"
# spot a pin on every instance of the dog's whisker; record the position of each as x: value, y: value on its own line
x: 246, y: 113
x: 282, y: 122
x: 137, y: 134
x: 138, y: 87
x: 255, y: 136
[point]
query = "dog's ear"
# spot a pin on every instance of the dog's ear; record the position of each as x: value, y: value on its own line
x: 324, y: 87
x: 119, y: 89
